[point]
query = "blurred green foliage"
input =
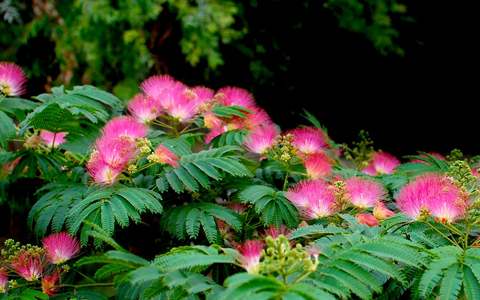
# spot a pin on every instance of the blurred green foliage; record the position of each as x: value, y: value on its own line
x: 114, y: 45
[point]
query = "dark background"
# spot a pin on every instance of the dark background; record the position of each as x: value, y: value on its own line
x: 423, y: 101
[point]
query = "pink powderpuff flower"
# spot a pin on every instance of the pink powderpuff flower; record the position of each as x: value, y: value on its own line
x: 184, y: 107
x: 3, y: 279
x: 315, y: 198
x: 365, y: 192
x: 432, y: 194
x: 237, y: 207
x: 275, y: 232
x: 381, y: 212
x: 165, y: 156
x: 250, y: 255
x: 367, y: 219
x: 228, y: 96
x: 434, y: 154
x: 124, y: 126
x: 309, y: 140
x: 29, y: 265
x: 382, y: 163
x: 60, y: 247
x: 117, y: 152
x: 102, y: 173
x: 261, y: 139
x: 155, y: 85
x: 318, y: 165
x: 213, y: 133
x: 143, y: 108
x: 49, y: 284
x: 210, y: 120
x: 258, y: 117
x: 50, y: 139
x: 204, y: 97
x: 164, y: 90
x: 12, y: 79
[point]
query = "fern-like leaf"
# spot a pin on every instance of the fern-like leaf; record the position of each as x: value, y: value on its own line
x: 451, y: 282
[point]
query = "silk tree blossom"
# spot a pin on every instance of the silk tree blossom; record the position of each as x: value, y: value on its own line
x: 29, y: 264
x: 315, y: 198
x: 50, y: 139
x: 3, y: 279
x: 381, y: 212
x: 143, y: 108
x: 381, y: 163
x: 155, y: 85
x: 211, y: 121
x: 261, y: 139
x: 117, y: 152
x: 231, y: 95
x: 125, y: 126
x: 250, y: 255
x: 184, y: 107
x: 364, y: 192
x: 367, y: 219
x: 309, y: 140
x: 204, y: 97
x: 163, y: 155
x: 101, y: 172
x: 258, y: 117
x: 432, y: 194
x: 49, y: 284
x: 60, y: 247
x: 12, y: 79
x: 318, y: 165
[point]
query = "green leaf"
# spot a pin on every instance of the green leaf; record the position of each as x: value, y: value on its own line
x: 209, y: 227
x: 451, y: 282
x: 7, y: 129
x: 471, y: 284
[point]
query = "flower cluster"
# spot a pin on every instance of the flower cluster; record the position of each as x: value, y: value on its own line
x: 115, y: 149
x: 432, y: 194
x: 38, y: 265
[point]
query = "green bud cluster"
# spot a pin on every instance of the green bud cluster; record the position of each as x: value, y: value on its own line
x: 281, y: 259
x: 284, y: 149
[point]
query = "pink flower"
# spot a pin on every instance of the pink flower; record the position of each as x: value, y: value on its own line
x: 228, y: 96
x: 101, y: 172
x: 125, y: 126
x: 274, y: 232
x: 318, y: 165
x: 237, y: 207
x: 210, y: 120
x: 49, y: 284
x: 3, y: 279
x: 309, y: 140
x: 165, y: 156
x: 257, y: 118
x: 29, y: 265
x: 364, y: 192
x: 367, y: 219
x: 382, y: 163
x: 12, y: 79
x: 184, y: 106
x: 381, y: 212
x: 204, y: 96
x: 315, y: 198
x: 143, y: 108
x: 261, y: 139
x: 250, y: 255
x: 154, y: 86
x: 60, y: 247
x: 432, y: 194
x: 117, y: 152
x: 49, y: 138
